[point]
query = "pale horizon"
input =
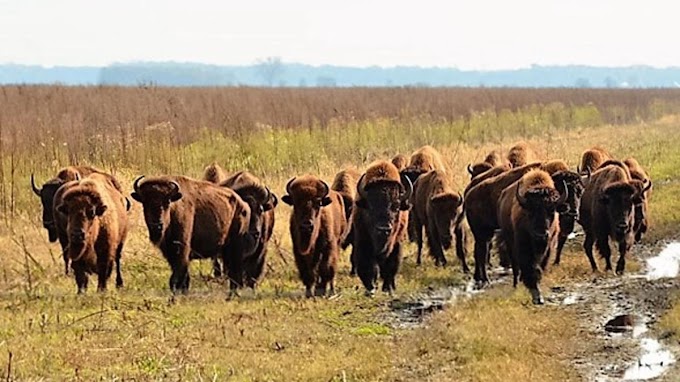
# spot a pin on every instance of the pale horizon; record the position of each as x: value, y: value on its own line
x: 484, y: 35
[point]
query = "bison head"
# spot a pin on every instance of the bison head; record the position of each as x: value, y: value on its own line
x: 412, y: 173
x: 156, y: 198
x: 82, y: 208
x: 541, y: 205
x: 478, y: 168
x: 445, y: 208
x: 46, y: 195
x: 383, y: 200
x: 260, y: 200
x: 620, y: 199
x: 570, y: 184
x: 308, y: 195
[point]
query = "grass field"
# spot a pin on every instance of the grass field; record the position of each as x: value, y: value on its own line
x: 141, y: 332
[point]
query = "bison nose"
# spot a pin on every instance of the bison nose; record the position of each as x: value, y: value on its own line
x: 622, y: 228
x: 307, y: 226
x: 384, y: 229
x: 78, y: 236
x: 255, y: 235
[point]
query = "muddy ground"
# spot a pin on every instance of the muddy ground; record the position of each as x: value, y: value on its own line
x: 618, y: 316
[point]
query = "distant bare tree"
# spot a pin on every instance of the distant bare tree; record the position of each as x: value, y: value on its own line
x: 270, y: 69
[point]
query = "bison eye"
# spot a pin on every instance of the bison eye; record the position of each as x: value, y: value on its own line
x: 90, y: 214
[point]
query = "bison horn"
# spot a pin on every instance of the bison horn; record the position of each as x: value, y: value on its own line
x: 135, y: 185
x: 649, y: 185
x: 77, y: 176
x: 461, y: 198
x: 563, y: 198
x: 175, y: 187
x: 408, y: 188
x: 469, y: 168
x: 520, y: 198
x: 360, y: 187
x: 327, y: 189
x: 290, y: 182
x: 578, y: 169
x: 35, y: 188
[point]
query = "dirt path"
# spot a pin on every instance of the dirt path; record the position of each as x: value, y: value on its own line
x: 632, y: 350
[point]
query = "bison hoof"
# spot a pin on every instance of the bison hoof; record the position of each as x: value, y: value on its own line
x: 481, y: 284
x: 369, y: 292
x: 536, y: 297
x: 320, y: 292
x: 308, y: 293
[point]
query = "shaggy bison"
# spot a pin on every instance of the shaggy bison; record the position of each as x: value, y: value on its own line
x: 345, y: 183
x: 261, y: 226
x: 528, y: 221
x: 440, y: 210
x: 192, y: 219
x: 520, y: 154
x: 641, y: 210
x: 592, y: 159
x: 481, y: 204
x: 316, y: 227
x: 96, y: 226
x: 492, y: 160
x: 48, y: 190
x: 213, y: 173
x: 400, y: 161
x: 608, y: 211
x: 425, y: 159
x: 379, y: 222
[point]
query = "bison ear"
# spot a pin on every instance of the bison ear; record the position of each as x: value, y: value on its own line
x: 287, y: 199
x: 136, y: 197
x: 361, y: 203
x: 271, y: 203
x: 176, y: 196
x: 604, y: 199
x: 326, y: 201
x: 405, y: 205
x: 100, y: 209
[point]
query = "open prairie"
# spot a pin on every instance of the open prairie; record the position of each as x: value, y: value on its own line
x: 430, y: 329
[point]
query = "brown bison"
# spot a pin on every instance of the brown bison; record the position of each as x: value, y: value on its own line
x: 96, y: 226
x: 261, y: 226
x: 49, y: 189
x: 213, y: 173
x: 192, y: 219
x: 592, y: 159
x: 494, y: 171
x: 493, y: 159
x: 641, y: 210
x: 568, y: 211
x: 529, y: 225
x: 440, y: 210
x: 379, y: 222
x: 520, y: 154
x: 345, y: 183
x: 481, y: 204
x: 608, y: 211
x: 425, y: 159
x: 316, y: 227
x: 400, y: 161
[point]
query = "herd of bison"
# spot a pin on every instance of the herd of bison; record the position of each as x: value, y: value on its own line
x: 529, y: 206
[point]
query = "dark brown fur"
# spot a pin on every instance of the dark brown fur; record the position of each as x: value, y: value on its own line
x: 316, y: 227
x: 494, y: 171
x: 529, y: 226
x: 345, y: 183
x: 481, y: 204
x: 193, y: 219
x: 607, y: 211
x: 641, y: 210
x: 96, y: 228
x: 521, y: 154
x: 260, y: 228
x: 440, y: 210
x: 379, y: 222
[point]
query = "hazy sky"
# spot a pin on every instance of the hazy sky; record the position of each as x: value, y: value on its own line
x: 483, y: 34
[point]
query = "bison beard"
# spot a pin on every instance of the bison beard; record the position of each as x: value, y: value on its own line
x: 379, y: 223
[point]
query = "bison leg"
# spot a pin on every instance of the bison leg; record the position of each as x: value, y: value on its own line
x: 560, y: 246
x: 389, y: 269
x: 418, y: 238
x: 482, y: 246
x: 306, y: 272
x: 588, y: 247
x: 436, y: 250
x: 254, y: 266
x: 366, y: 269
x: 119, y: 275
x: 461, y: 250
x: 602, y: 245
x: 81, y: 277
x: 104, y: 269
x: 326, y: 273
x: 179, y: 262
x: 64, y: 253
x: 531, y: 274
x: 217, y: 267
x: 621, y: 264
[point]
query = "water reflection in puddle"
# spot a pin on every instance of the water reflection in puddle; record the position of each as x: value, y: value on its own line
x: 666, y: 264
x: 653, y: 361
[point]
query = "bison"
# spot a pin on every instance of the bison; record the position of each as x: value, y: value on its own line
x: 592, y: 159
x: 400, y: 161
x: 481, y: 204
x: 494, y: 171
x: 529, y: 225
x: 379, y: 222
x: 214, y: 173
x: 520, y: 154
x: 193, y: 219
x: 569, y: 211
x: 492, y: 160
x: 47, y: 192
x: 345, y: 183
x: 96, y: 226
x: 608, y: 211
x: 261, y: 226
x: 440, y: 211
x: 641, y: 210
x: 316, y: 227
x: 425, y: 159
